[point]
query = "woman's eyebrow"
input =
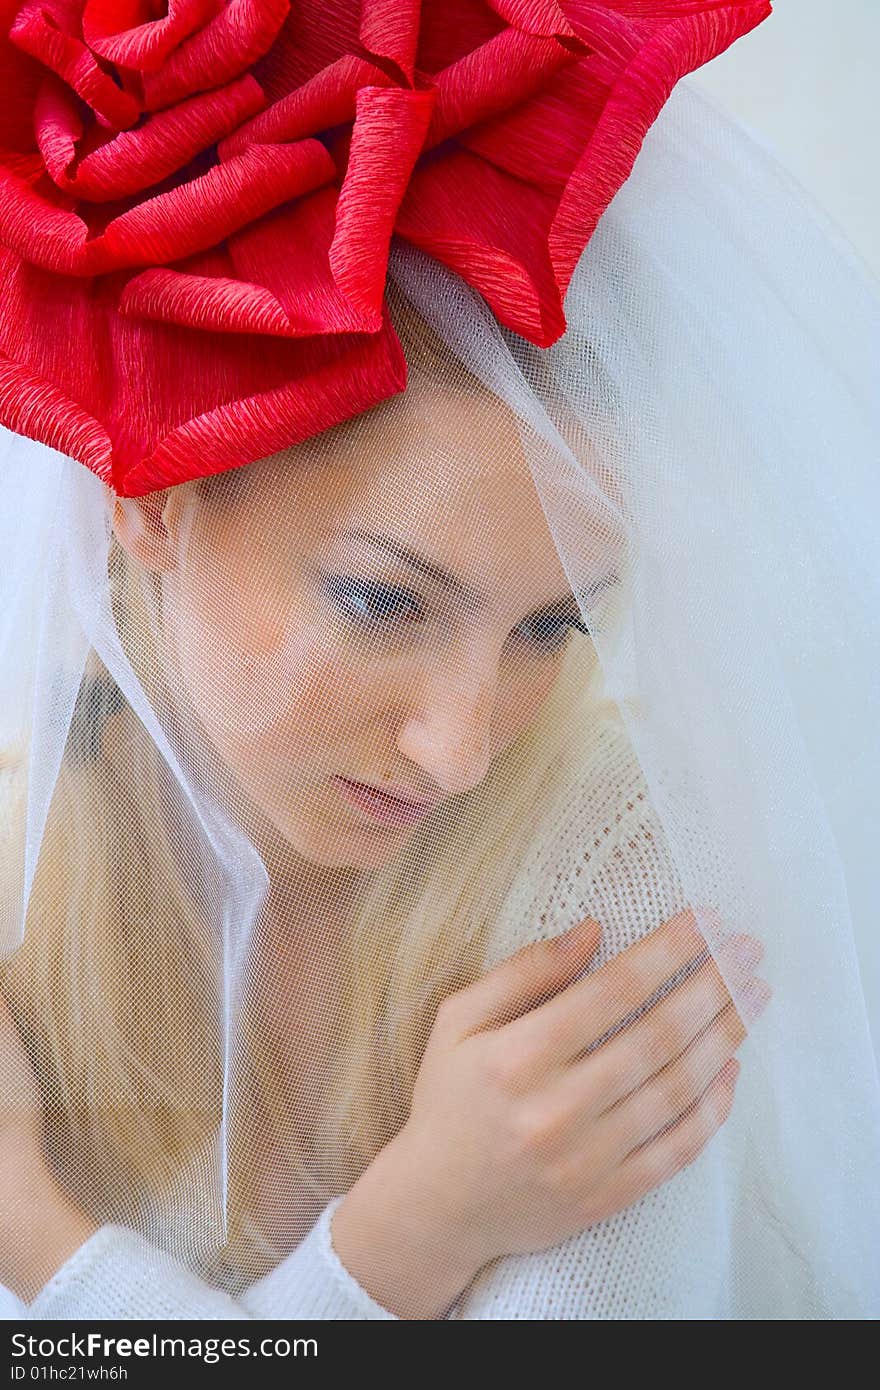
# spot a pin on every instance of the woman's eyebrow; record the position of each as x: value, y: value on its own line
x: 451, y: 581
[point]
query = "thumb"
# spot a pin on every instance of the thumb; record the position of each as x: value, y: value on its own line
x: 527, y: 978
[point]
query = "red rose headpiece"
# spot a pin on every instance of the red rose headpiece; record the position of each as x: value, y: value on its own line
x: 198, y: 198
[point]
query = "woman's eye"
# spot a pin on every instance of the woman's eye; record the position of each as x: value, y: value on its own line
x: 552, y: 630
x: 372, y: 602
x: 380, y: 606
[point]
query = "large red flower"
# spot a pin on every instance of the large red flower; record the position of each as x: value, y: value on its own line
x: 197, y: 198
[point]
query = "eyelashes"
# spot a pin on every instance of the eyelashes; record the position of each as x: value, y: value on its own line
x: 379, y: 606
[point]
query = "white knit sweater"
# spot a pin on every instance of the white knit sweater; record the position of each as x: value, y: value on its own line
x: 665, y: 1256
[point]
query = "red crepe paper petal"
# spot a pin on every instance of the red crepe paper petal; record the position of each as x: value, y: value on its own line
x: 595, y: 144
x: 240, y: 34
x: 389, y: 33
x: 314, y: 36
x: 357, y: 374
x: 57, y: 126
x: 452, y: 30
x: 248, y: 287
x: 209, y: 208
x: 499, y: 74
x: 170, y: 226
x: 289, y: 254
x: 135, y: 160
x: 211, y: 397
x: 680, y: 46
x: 325, y: 100
x: 544, y: 17
x: 146, y: 45
x: 501, y: 244
x: 36, y: 408
x: 204, y: 194
x: 219, y: 303
x: 533, y: 142
x: 43, y: 233
x: 389, y: 132
x: 35, y: 33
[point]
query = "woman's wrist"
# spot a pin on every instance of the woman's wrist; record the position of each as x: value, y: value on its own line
x: 396, y: 1242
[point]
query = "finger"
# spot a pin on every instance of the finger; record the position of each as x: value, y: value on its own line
x: 662, y: 1157
x: 562, y: 1028
x: 536, y: 972
x: 621, y: 1065
x: 672, y: 1091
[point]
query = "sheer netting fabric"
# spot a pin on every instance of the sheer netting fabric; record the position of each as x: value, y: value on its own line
x: 609, y: 611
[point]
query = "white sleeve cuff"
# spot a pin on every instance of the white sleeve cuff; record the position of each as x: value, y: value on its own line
x: 11, y: 1307
x: 312, y: 1282
x: 118, y: 1274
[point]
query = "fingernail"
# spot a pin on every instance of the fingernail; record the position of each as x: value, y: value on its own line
x: 744, y: 950
x: 711, y: 914
x: 756, y: 995
x: 573, y: 938
x: 586, y: 927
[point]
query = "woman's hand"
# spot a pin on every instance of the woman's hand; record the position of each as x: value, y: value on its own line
x: 40, y: 1227
x: 519, y: 1137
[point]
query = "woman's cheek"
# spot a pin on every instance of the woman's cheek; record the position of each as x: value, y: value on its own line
x: 328, y: 693
x: 524, y: 699
x: 291, y: 710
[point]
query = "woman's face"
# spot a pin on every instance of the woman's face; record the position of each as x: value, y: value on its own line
x: 313, y: 650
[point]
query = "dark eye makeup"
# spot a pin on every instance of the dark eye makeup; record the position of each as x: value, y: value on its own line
x: 381, y: 606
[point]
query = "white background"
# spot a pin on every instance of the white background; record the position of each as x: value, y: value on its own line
x: 808, y: 79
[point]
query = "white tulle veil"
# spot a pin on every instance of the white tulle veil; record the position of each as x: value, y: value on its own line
x: 708, y: 423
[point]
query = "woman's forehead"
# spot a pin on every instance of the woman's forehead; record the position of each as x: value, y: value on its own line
x: 465, y: 431
x: 438, y: 468
x: 453, y: 492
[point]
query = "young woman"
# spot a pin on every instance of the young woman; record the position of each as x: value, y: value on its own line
x: 384, y: 813
x: 308, y: 625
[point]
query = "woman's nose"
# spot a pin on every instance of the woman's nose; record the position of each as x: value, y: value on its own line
x: 449, y: 734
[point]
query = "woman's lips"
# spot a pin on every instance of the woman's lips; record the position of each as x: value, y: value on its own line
x: 389, y: 810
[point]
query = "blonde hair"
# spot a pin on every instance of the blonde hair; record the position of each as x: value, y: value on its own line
x: 123, y: 1110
